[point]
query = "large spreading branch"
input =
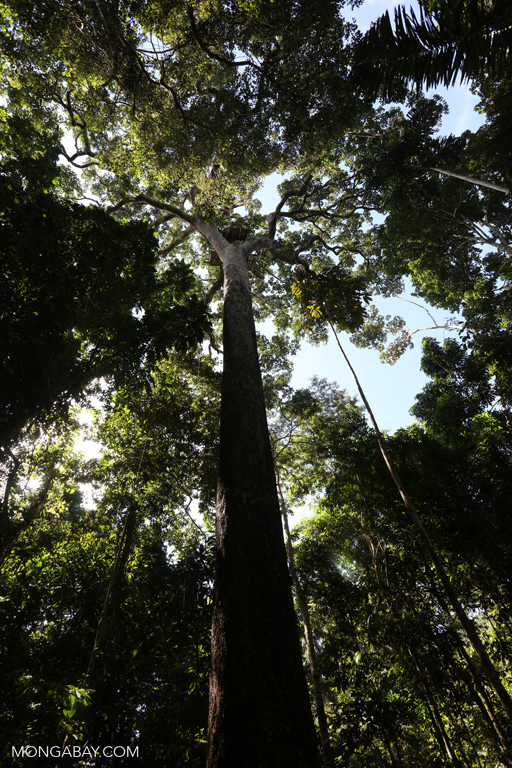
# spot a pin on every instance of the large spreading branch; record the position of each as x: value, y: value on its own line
x: 78, y: 123
x: 216, y: 286
x: 159, y: 205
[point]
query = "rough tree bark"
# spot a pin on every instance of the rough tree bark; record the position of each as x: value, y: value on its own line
x: 260, y: 714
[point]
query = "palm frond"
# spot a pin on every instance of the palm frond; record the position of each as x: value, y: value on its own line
x: 458, y: 40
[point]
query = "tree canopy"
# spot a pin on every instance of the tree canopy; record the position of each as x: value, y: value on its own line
x: 134, y: 141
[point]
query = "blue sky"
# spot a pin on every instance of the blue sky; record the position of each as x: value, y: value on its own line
x: 390, y: 389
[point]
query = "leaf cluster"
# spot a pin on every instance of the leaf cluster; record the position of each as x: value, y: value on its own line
x: 81, y: 296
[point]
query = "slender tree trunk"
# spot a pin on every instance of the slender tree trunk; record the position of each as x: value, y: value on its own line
x: 484, y: 704
x: 479, y: 693
x: 9, y: 529
x: 430, y: 701
x: 102, y: 650
x: 260, y: 715
x: 437, y: 720
x: 467, y: 624
x: 310, y: 642
x: 463, y: 732
x: 469, y: 179
x: 99, y: 718
x: 101, y: 675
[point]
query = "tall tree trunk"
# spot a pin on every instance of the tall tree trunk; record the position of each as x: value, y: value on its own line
x: 102, y: 653
x: 469, y: 179
x: 467, y: 624
x: 260, y: 715
x: 99, y: 719
x: 316, y: 677
x: 483, y: 702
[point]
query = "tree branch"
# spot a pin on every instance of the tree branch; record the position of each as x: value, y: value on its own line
x: 212, y: 54
x: 273, y: 217
x: 178, y: 241
x: 261, y: 244
x: 288, y: 260
x: 71, y: 159
x: 143, y: 199
x: 217, y: 285
x: 11, y: 479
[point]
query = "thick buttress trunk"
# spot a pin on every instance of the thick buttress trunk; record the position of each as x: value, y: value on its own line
x: 260, y: 715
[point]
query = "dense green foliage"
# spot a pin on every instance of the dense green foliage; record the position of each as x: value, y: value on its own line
x: 82, y: 295
x: 108, y: 286
x: 396, y: 670
x: 149, y: 682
